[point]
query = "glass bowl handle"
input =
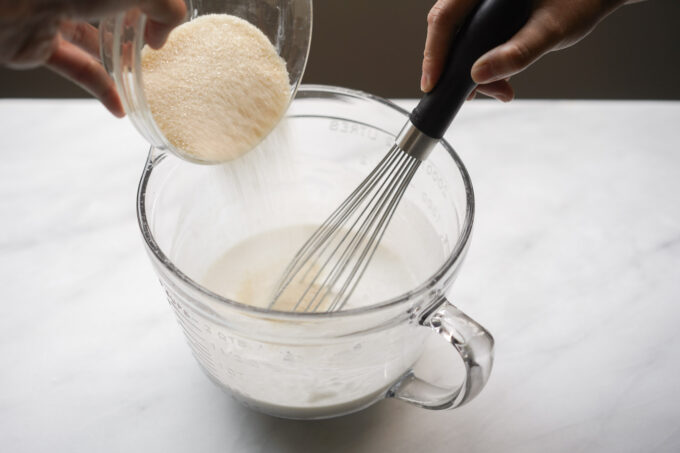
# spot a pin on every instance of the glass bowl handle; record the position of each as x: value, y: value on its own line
x: 475, y: 346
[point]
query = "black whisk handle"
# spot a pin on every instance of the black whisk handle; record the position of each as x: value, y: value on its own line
x: 490, y: 24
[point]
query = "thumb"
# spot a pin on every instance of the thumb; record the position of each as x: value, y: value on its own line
x: 533, y: 41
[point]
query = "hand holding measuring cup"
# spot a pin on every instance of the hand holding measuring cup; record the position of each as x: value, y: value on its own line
x: 222, y: 81
x: 59, y: 36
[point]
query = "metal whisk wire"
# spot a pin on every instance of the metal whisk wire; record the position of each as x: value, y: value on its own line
x: 367, y: 254
x: 352, y: 241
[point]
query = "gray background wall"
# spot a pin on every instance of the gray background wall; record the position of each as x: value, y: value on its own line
x: 376, y: 46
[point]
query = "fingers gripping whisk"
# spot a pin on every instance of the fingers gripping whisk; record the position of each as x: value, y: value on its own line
x: 328, y: 267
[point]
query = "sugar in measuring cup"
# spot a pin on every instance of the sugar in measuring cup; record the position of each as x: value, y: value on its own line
x: 179, y: 121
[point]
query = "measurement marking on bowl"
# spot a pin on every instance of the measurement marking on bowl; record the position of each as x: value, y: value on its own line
x: 431, y: 207
x: 437, y: 179
x: 346, y: 127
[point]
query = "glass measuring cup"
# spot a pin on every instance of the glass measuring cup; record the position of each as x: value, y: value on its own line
x: 316, y: 365
x: 287, y: 24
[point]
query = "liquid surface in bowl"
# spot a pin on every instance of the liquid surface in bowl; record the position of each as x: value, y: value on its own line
x: 216, y: 88
x: 250, y: 271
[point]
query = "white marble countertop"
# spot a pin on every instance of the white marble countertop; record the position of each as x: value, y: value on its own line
x: 574, y: 267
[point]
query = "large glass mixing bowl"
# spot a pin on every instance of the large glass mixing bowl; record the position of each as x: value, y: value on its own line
x: 315, y: 365
x: 287, y: 24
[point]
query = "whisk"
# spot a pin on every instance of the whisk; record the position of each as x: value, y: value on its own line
x: 327, y: 269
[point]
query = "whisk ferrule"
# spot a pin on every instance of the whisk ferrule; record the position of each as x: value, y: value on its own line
x: 414, y: 142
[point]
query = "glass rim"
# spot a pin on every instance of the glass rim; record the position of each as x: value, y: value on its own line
x: 444, y: 270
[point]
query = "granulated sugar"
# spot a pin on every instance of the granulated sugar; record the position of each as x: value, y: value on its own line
x: 216, y: 88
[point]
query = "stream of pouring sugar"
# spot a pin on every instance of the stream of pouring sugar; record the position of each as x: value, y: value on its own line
x: 281, y: 213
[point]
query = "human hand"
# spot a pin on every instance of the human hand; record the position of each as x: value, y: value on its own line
x: 553, y: 25
x: 56, y: 34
